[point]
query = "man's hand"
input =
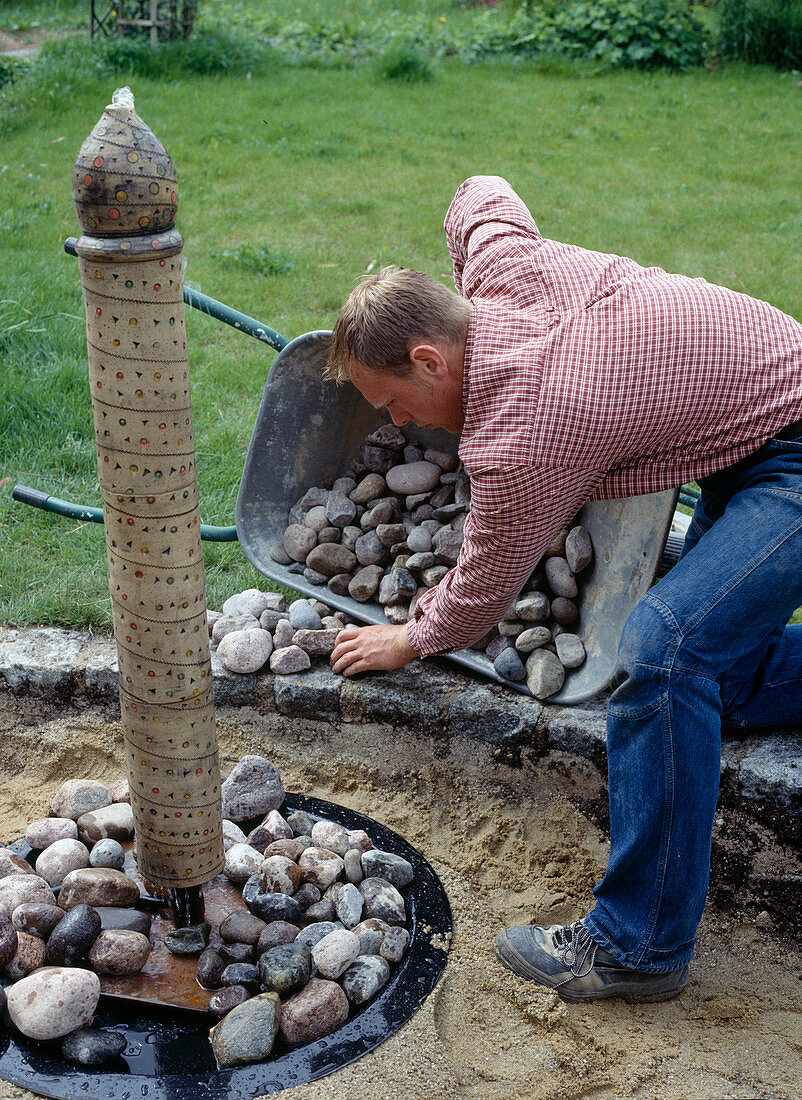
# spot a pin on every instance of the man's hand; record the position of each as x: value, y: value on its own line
x: 360, y: 649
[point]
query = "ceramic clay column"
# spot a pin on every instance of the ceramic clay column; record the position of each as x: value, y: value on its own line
x: 124, y: 190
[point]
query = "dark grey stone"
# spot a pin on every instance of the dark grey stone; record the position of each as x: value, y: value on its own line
x: 771, y: 771
x: 396, y: 869
x: 245, y: 974
x: 364, y: 978
x: 226, y: 999
x: 92, y: 1047
x: 270, y: 907
x: 509, y: 665
x: 286, y: 968
x: 187, y: 941
x: 210, y: 969
x: 129, y: 920
x: 72, y: 937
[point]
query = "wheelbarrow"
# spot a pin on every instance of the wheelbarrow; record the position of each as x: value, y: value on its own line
x: 305, y: 431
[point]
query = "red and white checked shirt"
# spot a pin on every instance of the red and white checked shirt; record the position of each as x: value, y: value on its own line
x: 587, y: 377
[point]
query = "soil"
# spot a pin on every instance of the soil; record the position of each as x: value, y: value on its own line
x: 509, y: 848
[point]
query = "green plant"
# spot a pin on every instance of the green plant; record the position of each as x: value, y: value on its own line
x: 405, y: 63
x: 631, y: 33
x: 262, y: 259
x: 763, y: 31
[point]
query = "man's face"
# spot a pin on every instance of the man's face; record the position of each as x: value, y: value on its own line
x: 420, y: 397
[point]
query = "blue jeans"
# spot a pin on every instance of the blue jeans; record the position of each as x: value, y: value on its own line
x: 706, y: 648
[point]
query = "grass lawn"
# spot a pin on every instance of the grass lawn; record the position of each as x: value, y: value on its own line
x: 338, y: 170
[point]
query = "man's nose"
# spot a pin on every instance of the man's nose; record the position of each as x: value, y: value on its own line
x: 399, y: 418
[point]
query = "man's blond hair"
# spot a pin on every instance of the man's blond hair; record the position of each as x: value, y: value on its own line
x: 386, y: 314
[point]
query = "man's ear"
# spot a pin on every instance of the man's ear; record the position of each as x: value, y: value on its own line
x: 429, y: 360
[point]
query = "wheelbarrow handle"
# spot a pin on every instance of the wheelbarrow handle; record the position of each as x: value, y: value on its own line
x: 37, y: 499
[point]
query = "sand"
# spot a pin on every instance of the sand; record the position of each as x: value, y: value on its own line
x: 510, y: 848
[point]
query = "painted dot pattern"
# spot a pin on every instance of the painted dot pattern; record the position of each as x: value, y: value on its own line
x: 140, y: 387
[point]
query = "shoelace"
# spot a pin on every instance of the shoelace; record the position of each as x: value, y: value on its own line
x: 576, y: 948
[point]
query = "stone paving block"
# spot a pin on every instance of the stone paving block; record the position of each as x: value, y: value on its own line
x: 477, y: 713
x: 41, y: 662
x: 412, y: 696
x: 580, y: 730
x: 232, y: 689
x: 101, y: 671
x: 771, y: 771
x: 313, y: 694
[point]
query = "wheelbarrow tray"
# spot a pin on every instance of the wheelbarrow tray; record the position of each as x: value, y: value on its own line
x: 306, y: 431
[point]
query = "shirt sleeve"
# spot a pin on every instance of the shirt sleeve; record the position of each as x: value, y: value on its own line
x: 484, y: 211
x: 514, y: 514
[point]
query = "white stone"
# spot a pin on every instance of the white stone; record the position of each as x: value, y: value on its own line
x: 22, y: 888
x: 334, y: 953
x: 245, y: 651
x: 329, y: 835
x: 59, y: 858
x: 290, y: 659
x: 413, y: 477
x: 47, y: 830
x: 240, y: 862
x: 80, y: 796
x: 251, y: 602
x: 232, y: 834
x: 53, y: 1001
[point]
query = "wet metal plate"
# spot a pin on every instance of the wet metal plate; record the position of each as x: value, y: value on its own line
x: 169, y: 1057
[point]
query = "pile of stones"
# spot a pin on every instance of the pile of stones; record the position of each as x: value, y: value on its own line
x: 392, y: 528
x: 322, y: 925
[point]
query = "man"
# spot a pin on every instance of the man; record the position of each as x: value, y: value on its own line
x: 575, y: 376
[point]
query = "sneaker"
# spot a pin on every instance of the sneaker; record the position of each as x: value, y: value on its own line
x: 568, y: 961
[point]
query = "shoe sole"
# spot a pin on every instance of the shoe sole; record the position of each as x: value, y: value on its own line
x: 632, y: 994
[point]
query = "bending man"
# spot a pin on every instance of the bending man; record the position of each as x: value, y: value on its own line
x: 577, y: 376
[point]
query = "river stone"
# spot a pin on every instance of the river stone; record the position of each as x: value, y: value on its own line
x: 377, y: 459
x: 331, y: 558
x: 47, y: 830
x: 20, y: 889
x: 246, y: 1034
x: 12, y: 864
x: 231, y: 624
x: 300, y: 822
x: 303, y: 616
x: 433, y: 576
x: 447, y: 544
x: 237, y: 952
x: 371, y: 933
x: 190, y: 940
x: 314, y: 933
x: 306, y: 895
x: 115, y: 822
x: 270, y: 619
x: 230, y: 605
x: 510, y: 666
x: 210, y: 968
x: 279, y: 875
x: 570, y: 650
x: 413, y: 477
x: 53, y: 1001
x: 251, y: 602
x: 396, y: 587
x: 275, y: 934
x: 298, y: 541
x: 317, y: 643
x: 79, y: 796
x: 331, y: 836
x: 226, y: 999
x: 390, y: 534
x: 340, y: 509
x: 245, y: 974
x: 578, y: 549
x: 241, y: 927
x: 290, y: 659
x: 291, y: 847
x: 59, y: 858
x: 364, y: 978
x: 369, y: 488
x: 419, y: 540
x: 382, y: 900
x: 118, y: 952
x: 316, y: 519
x: 36, y: 918
x: 286, y: 968
x: 127, y: 920
x: 232, y: 834
x: 353, y: 866
x: 394, y: 944
x: 545, y: 674
x: 274, y: 827
x: 97, y: 886
x: 73, y: 936
x: 334, y: 953
x: 320, y: 1008
x: 532, y: 638
x: 282, y: 635
x: 253, y: 789
x: 369, y: 549
x: 240, y: 862
x: 107, y: 853
x: 532, y: 608
x: 270, y: 907
x: 359, y: 839
x: 348, y: 905
x: 322, y: 910
x: 92, y: 1047
x: 560, y: 578
x: 320, y: 866
x: 120, y: 791
x: 497, y: 646
x: 564, y: 611
x: 365, y: 582
x: 28, y: 956
x: 245, y: 651
x: 416, y: 563
x: 387, y: 865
